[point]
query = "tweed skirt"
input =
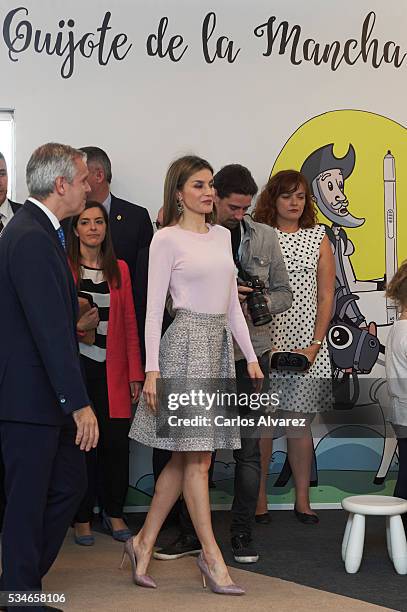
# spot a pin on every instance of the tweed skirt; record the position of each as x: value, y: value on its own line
x: 195, y: 346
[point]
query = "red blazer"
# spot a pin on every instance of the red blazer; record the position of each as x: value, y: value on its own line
x: 123, y: 359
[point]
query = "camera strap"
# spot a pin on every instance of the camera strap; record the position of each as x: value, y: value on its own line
x: 242, y: 225
x: 241, y: 273
x: 237, y: 252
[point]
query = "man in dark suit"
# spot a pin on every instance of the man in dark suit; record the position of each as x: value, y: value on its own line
x: 7, y: 207
x: 42, y: 393
x: 130, y: 227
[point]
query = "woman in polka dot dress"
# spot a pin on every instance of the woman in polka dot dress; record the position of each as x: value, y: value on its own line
x: 286, y: 204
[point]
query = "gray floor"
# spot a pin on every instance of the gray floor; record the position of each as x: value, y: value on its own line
x: 311, y: 555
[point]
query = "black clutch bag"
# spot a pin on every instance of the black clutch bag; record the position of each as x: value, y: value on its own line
x: 289, y: 362
x: 86, y: 302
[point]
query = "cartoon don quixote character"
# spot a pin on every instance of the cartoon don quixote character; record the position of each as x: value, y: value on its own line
x: 353, y: 344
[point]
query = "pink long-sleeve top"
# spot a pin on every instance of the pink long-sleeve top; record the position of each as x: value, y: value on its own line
x: 199, y: 272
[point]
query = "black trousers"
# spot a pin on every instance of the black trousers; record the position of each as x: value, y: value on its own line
x: 247, y: 468
x: 247, y: 458
x: 108, y: 464
x: 2, y: 491
x: 45, y: 478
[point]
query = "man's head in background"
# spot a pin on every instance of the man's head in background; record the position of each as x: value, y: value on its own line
x: 235, y: 188
x: 3, y: 179
x: 100, y: 173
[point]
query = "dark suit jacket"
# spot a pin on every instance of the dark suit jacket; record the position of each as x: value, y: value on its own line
x: 40, y: 376
x: 132, y: 231
x: 14, y: 206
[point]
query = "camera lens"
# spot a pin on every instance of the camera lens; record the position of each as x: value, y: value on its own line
x: 257, y: 305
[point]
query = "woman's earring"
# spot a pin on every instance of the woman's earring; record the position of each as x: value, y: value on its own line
x: 180, y: 206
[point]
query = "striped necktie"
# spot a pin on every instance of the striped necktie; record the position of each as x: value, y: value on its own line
x: 1, y: 224
x: 61, y: 237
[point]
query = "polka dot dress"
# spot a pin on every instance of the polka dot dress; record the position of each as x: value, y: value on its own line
x: 309, y: 391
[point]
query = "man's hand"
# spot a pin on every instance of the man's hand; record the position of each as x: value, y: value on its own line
x: 89, y: 320
x: 242, y: 292
x: 87, y: 434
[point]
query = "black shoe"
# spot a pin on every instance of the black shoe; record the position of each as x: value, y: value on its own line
x: 243, y: 550
x: 263, y: 519
x: 306, y: 519
x: 183, y: 546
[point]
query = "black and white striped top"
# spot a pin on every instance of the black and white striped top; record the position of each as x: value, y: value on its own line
x: 94, y: 283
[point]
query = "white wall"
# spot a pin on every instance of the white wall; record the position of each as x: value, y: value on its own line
x: 145, y: 111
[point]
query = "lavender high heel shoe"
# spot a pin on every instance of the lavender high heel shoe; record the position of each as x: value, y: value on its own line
x: 229, y: 589
x: 144, y: 580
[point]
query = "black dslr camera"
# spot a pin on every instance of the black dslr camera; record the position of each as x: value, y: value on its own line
x: 256, y: 301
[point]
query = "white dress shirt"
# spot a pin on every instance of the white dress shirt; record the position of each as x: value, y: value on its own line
x: 47, y: 211
x: 6, y: 212
x: 107, y: 203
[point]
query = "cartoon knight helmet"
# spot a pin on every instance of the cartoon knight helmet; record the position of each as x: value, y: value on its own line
x: 326, y: 174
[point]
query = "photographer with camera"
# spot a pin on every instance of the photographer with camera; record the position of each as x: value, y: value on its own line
x: 264, y: 290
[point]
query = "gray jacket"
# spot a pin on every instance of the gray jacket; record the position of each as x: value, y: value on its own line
x: 261, y: 256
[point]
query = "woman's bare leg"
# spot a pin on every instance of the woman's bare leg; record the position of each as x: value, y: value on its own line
x: 266, y: 450
x: 167, y: 490
x: 196, y: 495
x: 300, y: 451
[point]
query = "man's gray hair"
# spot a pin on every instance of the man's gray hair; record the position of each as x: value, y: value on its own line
x: 47, y: 163
x: 2, y: 156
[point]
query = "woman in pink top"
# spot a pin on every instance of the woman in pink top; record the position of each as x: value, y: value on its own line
x: 192, y: 259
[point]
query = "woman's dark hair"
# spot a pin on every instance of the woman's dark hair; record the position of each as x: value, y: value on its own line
x: 177, y: 175
x: 285, y: 181
x: 109, y: 263
x: 397, y: 288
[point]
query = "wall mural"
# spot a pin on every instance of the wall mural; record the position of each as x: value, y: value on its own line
x: 352, y: 160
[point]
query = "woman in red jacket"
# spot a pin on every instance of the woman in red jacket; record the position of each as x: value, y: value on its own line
x: 111, y: 363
